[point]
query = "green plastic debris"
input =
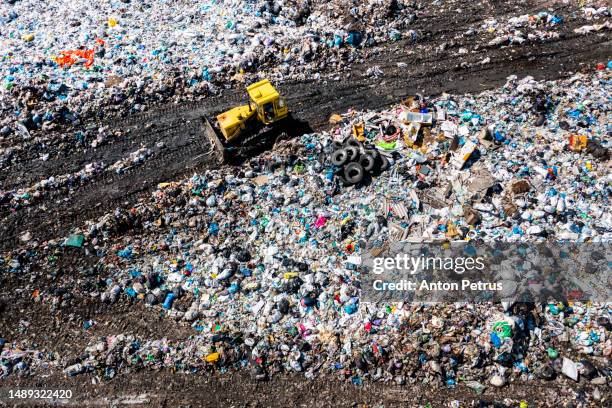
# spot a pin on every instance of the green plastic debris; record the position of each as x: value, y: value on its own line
x: 299, y: 168
x: 503, y: 329
x: 552, y: 353
x: 75, y: 240
x: 386, y: 145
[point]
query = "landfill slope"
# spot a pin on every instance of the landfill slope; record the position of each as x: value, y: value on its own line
x: 174, y: 137
x: 257, y: 270
x: 135, y: 270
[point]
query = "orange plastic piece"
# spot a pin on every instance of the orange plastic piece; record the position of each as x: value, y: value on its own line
x: 577, y: 142
x: 69, y: 58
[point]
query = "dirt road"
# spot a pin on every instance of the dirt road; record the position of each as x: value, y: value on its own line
x: 238, y: 390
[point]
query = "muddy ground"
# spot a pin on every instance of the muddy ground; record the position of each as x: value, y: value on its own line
x: 186, y: 151
x: 238, y: 390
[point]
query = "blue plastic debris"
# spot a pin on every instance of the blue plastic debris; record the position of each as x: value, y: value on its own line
x: 169, y: 300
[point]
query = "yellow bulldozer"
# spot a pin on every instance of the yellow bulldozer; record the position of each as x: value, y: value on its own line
x: 247, y: 127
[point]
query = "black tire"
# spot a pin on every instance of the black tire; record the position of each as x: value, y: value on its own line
x: 374, y: 153
x: 384, y: 163
x: 352, y: 152
x: 337, y: 145
x: 367, y: 162
x: 339, y: 157
x: 353, y: 173
x: 352, y: 142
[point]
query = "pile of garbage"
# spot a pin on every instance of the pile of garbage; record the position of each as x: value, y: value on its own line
x: 264, y: 261
x: 541, y: 29
x: 61, y: 64
x: 16, y: 359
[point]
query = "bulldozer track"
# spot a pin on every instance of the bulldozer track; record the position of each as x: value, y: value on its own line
x: 187, y: 150
x: 28, y: 173
x: 185, y: 155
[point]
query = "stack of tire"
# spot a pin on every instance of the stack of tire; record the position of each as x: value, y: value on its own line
x: 356, y: 161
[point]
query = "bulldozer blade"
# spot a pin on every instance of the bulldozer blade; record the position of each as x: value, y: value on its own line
x: 213, y: 136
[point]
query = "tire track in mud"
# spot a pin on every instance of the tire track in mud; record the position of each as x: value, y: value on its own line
x: 34, y: 171
x: 112, y: 190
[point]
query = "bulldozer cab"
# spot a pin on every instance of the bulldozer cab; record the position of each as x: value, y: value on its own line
x: 267, y: 102
x: 248, y: 123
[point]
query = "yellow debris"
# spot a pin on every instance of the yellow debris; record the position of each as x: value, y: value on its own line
x: 169, y: 184
x: 335, y: 118
x: 451, y: 230
x: 212, y: 357
x: 358, y: 132
x: 239, y: 77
